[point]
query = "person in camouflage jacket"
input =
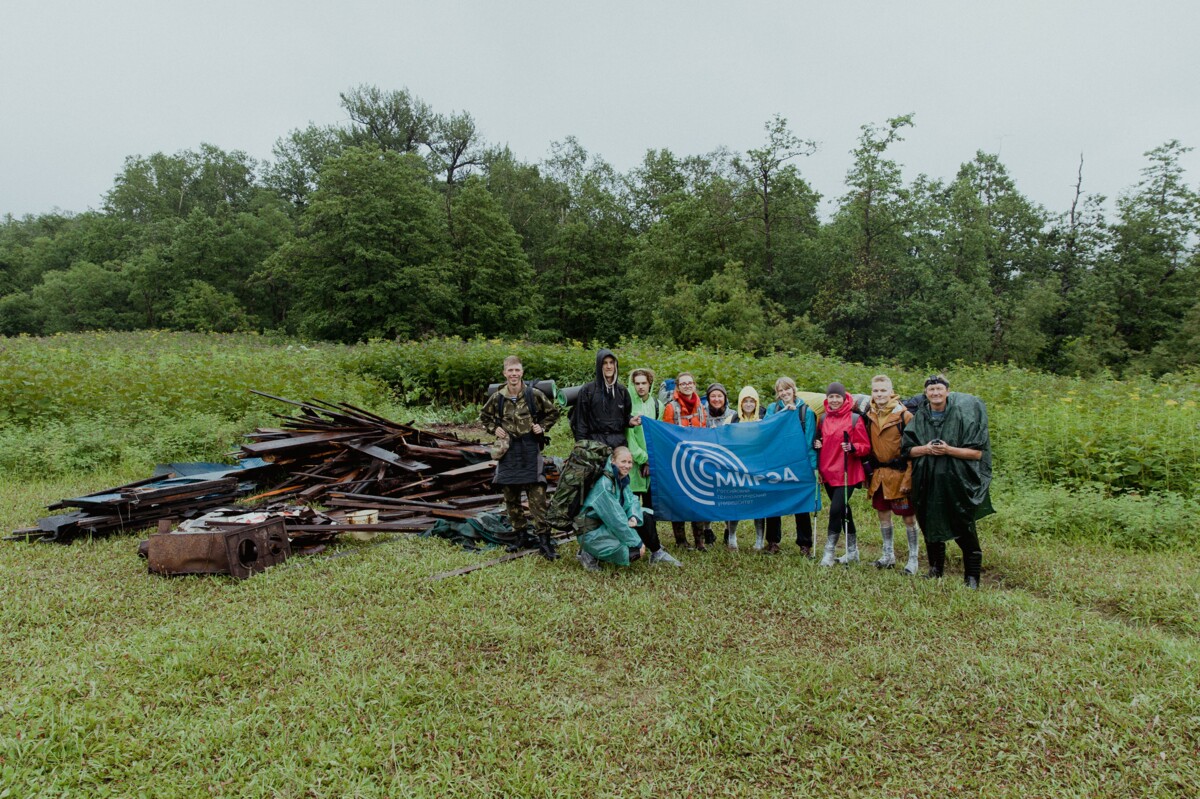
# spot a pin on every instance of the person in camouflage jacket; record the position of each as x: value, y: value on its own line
x: 521, y: 416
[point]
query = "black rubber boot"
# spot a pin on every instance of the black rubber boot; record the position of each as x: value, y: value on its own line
x: 972, y: 561
x: 519, y: 541
x: 547, y: 548
x: 937, y: 560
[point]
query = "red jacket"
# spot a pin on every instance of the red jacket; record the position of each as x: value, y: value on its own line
x: 835, y: 470
x: 676, y: 412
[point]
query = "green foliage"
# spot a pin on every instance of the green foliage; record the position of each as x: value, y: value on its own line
x: 133, y: 374
x: 205, y: 309
x: 1165, y: 521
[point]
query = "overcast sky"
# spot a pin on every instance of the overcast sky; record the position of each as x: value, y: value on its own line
x: 83, y: 85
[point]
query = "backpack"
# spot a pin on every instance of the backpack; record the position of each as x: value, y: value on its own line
x: 579, y: 473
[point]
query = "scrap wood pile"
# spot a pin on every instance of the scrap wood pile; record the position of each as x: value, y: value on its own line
x: 141, y: 504
x: 365, y: 472
x: 371, y: 473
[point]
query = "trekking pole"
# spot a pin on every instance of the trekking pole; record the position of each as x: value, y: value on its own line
x: 846, y: 488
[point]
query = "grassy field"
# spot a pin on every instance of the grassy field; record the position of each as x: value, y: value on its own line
x: 1073, y: 673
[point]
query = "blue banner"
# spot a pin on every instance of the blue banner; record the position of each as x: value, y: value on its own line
x: 733, y: 472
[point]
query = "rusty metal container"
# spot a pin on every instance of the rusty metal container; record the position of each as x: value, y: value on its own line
x: 240, y: 551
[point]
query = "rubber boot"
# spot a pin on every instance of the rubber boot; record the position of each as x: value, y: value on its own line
x: 830, y: 548
x: 699, y: 536
x: 588, y: 560
x: 972, y: 561
x: 936, y: 553
x: 662, y: 556
x: 760, y: 534
x: 851, y: 554
x: 678, y: 530
x: 731, y: 536
x: 914, y: 550
x: 518, y: 542
x: 888, y: 559
x: 546, y: 546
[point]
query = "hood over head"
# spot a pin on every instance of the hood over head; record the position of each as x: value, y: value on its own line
x: 601, y: 354
x: 752, y: 393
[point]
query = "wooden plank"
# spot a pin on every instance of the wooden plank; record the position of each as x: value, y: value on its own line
x: 296, y: 441
x: 474, y: 468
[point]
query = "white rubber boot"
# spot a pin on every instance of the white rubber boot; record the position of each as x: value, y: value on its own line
x: 830, y: 548
x: 888, y: 559
x: 851, y: 555
x: 911, y: 567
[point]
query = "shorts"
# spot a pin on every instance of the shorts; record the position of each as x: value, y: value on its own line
x: 899, y: 505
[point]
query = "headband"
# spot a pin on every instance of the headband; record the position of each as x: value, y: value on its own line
x: 936, y: 379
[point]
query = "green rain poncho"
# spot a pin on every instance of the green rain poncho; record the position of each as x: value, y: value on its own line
x: 945, y: 489
x: 603, y: 524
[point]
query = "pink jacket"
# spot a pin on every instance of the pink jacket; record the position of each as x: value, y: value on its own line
x: 830, y: 463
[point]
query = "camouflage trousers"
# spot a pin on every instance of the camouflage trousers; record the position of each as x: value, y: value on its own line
x: 537, y: 506
x: 580, y: 472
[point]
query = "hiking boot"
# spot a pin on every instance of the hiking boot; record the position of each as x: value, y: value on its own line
x: 934, y: 573
x: 971, y: 582
x: 662, y: 556
x: 806, y: 552
x: 700, y: 545
x: 588, y: 560
x: 772, y: 549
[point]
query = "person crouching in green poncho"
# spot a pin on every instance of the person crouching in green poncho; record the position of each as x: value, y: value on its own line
x: 951, y: 453
x: 607, y: 525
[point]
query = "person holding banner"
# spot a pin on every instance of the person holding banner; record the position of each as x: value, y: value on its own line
x: 788, y: 400
x: 686, y: 410
x: 750, y: 410
x: 645, y: 404
x: 607, y: 525
x: 843, y: 443
x: 719, y: 413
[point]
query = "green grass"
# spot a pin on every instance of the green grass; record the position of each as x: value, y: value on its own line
x: 1073, y: 673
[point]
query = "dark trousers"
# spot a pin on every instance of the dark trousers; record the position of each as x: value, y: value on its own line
x: 804, y: 533
x: 648, y: 530
x: 839, y: 507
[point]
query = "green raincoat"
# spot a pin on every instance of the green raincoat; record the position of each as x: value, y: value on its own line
x: 603, y: 524
x: 635, y: 437
x: 947, y: 489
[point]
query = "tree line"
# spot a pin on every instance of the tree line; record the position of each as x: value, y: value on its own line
x: 404, y: 223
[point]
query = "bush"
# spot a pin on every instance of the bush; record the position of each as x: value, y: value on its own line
x: 1163, y: 521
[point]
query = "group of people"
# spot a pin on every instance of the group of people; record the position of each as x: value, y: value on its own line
x: 930, y: 466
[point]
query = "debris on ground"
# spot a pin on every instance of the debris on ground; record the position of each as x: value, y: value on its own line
x: 330, y: 469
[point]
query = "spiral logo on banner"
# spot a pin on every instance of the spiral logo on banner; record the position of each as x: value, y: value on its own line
x: 695, y: 465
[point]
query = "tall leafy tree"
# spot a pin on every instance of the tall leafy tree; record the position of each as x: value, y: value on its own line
x: 1150, y: 283
x: 582, y: 276
x: 763, y: 170
x: 494, y: 279
x: 373, y: 259
x: 395, y: 121
x: 866, y: 278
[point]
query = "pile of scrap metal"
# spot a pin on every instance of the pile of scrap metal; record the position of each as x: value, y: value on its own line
x: 365, y: 472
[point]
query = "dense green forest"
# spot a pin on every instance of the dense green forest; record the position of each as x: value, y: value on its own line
x: 403, y: 223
